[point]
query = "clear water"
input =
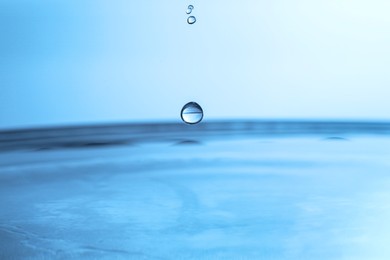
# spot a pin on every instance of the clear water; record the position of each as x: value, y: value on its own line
x: 192, y: 113
x: 223, y: 190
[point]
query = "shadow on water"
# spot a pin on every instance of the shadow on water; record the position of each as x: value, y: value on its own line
x: 188, y: 142
x: 335, y: 138
x: 80, y: 144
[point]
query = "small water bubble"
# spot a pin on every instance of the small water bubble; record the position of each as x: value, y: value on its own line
x: 191, y: 20
x: 192, y: 113
x: 189, y: 9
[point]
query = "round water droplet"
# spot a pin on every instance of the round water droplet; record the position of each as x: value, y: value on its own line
x: 192, y: 113
x: 189, y: 9
x: 191, y: 20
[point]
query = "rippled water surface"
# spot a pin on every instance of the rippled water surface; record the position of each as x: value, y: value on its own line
x: 279, y: 190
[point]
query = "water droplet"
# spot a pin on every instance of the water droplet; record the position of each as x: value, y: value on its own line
x: 192, y: 113
x: 189, y: 9
x: 191, y: 20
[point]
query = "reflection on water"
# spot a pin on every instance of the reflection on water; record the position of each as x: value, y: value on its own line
x: 285, y: 190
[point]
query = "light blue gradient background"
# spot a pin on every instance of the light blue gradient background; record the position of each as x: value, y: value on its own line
x: 71, y: 62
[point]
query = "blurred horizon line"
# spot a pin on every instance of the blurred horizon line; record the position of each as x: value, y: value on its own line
x: 77, y: 125
x: 129, y: 134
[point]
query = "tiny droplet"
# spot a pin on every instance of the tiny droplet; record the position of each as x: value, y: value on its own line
x: 191, y: 113
x: 191, y: 20
x: 189, y: 9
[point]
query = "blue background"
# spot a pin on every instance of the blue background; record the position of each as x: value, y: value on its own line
x: 72, y: 62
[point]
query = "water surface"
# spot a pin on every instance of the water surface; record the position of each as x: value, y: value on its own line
x: 249, y: 190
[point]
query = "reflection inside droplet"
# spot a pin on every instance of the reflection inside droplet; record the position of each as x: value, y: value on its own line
x: 191, y: 20
x: 192, y: 113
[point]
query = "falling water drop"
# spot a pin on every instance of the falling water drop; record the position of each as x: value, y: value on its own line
x: 191, y: 113
x: 191, y: 20
x: 189, y: 9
